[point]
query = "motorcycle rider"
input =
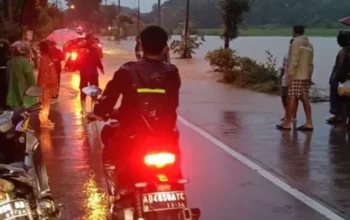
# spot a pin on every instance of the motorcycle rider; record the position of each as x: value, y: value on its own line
x: 150, y: 89
x: 89, y: 64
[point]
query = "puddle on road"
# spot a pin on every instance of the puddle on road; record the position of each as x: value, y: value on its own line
x: 95, y: 204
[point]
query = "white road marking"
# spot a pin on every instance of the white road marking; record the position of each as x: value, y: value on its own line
x: 264, y: 173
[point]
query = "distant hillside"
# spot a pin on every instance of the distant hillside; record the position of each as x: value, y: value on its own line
x: 206, y: 13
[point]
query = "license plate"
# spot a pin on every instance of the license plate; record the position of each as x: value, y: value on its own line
x: 163, y: 201
x: 13, y: 209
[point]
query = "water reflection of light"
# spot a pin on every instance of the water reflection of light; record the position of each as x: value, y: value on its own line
x: 95, y: 205
x: 46, y: 143
x: 75, y: 81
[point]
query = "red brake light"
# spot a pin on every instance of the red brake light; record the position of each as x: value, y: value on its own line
x: 159, y: 160
x: 74, y: 56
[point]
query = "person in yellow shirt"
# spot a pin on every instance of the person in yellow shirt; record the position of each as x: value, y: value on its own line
x: 300, y: 69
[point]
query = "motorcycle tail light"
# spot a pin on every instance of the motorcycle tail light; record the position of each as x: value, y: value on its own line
x: 74, y: 56
x: 67, y: 55
x: 159, y: 160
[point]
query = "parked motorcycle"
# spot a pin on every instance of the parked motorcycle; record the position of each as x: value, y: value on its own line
x: 24, y: 184
x: 155, y: 189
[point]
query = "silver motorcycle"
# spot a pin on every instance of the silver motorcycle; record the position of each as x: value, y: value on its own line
x: 24, y: 184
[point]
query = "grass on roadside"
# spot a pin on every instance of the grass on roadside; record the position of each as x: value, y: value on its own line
x: 319, y: 32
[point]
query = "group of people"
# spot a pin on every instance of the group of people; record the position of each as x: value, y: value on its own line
x: 17, y: 75
x: 296, y: 80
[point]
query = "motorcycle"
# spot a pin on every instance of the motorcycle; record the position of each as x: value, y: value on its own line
x: 74, y: 51
x: 24, y: 184
x: 155, y: 189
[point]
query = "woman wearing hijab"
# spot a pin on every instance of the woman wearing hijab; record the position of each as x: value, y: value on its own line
x: 20, y: 77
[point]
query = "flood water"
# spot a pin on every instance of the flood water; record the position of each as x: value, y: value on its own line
x: 326, y: 50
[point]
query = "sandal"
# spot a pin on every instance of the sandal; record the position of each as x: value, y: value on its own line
x: 281, y: 128
x: 334, y: 120
x: 304, y: 128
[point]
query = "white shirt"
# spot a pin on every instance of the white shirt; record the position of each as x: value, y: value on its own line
x: 285, y: 67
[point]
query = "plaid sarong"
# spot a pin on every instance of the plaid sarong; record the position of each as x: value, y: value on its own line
x: 299, y: 88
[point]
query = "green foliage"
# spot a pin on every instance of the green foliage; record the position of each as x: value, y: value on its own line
x: 245, y: 72
x: 232, y: 16
x: 186, y: 47
x: 187, y: 50
x: 121, y: 26
x: 12, y: 31
x: 43, y: 25
x: 222, y: 60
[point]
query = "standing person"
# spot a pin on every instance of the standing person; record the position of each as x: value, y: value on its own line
x: 337, y: 77
x: 57, y: 57
x: 47, y: 80
x: 4, y: 58
x: 138, y: 48
x: 20, y: 77
x: 300, y: 69
x: 88, y: 67
x: 284, y: 86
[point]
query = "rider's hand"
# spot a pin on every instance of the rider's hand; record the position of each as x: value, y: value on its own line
x: 92, y: 117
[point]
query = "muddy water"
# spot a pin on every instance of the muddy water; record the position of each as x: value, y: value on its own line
x: 256, y: 47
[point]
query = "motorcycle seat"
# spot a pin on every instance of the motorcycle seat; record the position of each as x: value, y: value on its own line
x: 19, y: 165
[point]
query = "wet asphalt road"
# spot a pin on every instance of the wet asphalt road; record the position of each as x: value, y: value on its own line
x: 223, y: 188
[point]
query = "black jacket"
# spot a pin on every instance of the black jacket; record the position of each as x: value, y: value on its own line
x: 150, y: 92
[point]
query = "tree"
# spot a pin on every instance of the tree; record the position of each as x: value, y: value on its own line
x: 122, y: 20
x: 84, y: 8
x: 188, y: 44
x: 111, y: 11
x: 232, y: 16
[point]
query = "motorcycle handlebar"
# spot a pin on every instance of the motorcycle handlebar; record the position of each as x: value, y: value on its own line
x: 114, y: 115
x: 34, y: 107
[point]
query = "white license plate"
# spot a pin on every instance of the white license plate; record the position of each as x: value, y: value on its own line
x: 13, y: 209
x: 163, y: 201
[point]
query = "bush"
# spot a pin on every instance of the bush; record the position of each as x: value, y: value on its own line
x: 222, y: 60
x: 245, y: 72
x: 193, y: 43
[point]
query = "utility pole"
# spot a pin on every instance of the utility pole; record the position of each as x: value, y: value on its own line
x: 138, y: 18
x: 119, y: 8
x: 159, y: 13
x: 186, y: 29
x: 9, y: 10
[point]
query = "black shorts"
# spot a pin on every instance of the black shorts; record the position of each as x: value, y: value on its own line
x: 88, y: 81
x: 284, y: 91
